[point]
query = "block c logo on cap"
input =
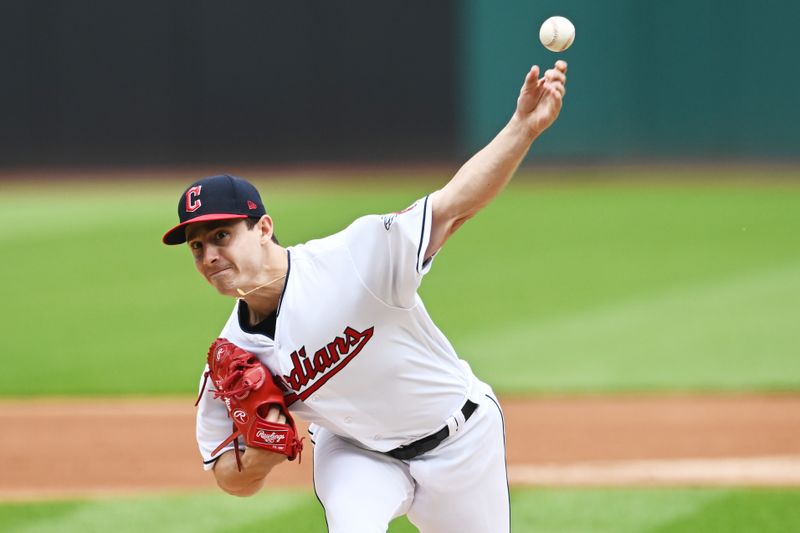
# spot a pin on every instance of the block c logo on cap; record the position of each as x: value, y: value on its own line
x: 193, y: 202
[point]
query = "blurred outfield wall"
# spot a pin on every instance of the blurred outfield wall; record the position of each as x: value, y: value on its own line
x: 250, y: 81
x: 647, y: 78
x: 177, y: 81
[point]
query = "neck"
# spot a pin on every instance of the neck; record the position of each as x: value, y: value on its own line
x: 264, y: 298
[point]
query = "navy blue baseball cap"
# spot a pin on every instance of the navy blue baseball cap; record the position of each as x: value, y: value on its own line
x: 215, y: 198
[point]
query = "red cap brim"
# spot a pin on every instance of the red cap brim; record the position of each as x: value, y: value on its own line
x: 177, y: 235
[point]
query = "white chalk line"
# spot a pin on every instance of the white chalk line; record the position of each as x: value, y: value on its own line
x: 773, y: 471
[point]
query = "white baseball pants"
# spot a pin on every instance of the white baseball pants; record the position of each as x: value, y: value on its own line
x: 459, y: 487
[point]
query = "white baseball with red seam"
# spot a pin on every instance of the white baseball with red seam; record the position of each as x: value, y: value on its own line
x: 557, y: 34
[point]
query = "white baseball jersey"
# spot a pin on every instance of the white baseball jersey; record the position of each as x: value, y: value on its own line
x: 354, y: 345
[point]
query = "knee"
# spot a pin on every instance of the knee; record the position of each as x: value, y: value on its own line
x: 348, y: 525
x: 354, y: 519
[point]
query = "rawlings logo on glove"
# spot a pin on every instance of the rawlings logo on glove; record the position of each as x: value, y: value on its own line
x: 249, y: 391
x: 272, y: 438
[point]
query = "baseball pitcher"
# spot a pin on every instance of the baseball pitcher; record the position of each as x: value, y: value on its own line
x: 333, y: 332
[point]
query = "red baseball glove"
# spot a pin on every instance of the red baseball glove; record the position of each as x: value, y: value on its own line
x: 249, y: 390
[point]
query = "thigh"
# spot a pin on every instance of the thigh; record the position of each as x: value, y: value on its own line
x: 361, y: 491
x: 462, y: 487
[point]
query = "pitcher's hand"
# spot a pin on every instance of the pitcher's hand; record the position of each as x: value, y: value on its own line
x: 540, y: 99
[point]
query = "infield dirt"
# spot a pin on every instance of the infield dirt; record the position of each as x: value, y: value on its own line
x: 65, y: 448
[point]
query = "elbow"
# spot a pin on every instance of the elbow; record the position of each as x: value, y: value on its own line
x: 240, y: 484
x: 250, y: 479
x: 457, y: 223
x: 241, y: 491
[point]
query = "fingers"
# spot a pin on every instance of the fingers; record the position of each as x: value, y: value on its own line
x: 557, y: 74
x: 532, y: 81
x: 559, y: 68
x: 556, y: 79
x: 274, y: 415
x: 557, y: 89
x: 550, y: 89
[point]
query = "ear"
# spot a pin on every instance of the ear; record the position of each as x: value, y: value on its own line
x: 264, y: 227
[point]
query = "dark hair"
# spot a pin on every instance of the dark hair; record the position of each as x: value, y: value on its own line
x: 251, y: 223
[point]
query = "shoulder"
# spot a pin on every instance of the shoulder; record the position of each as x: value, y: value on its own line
x: 357, y: 231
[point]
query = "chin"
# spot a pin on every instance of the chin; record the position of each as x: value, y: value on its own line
x: 225, y: 291
x: 225, y: 287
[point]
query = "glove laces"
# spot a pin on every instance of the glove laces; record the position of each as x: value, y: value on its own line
x: 243, y: 369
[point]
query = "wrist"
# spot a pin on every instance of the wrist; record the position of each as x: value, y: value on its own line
x: 518, y: 127
x: 261, y: 460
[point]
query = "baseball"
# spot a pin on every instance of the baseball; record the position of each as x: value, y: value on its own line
x: 557, y: 34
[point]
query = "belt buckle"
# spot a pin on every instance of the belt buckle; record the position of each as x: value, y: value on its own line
x: 432, y: 441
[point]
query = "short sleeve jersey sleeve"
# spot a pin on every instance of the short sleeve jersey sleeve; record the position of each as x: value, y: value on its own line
x: 212, y: 425
x: 388, y: 252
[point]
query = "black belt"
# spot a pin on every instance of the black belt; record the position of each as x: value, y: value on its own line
x: 426, y: 444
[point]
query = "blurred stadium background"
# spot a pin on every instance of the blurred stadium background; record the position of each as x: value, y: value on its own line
x: 176, y: 82
x: 648, y: 245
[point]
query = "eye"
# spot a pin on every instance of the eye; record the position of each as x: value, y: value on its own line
x: 221, y: 234
x: 195, y: 245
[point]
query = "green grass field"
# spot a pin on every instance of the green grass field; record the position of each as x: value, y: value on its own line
x: 565, y: 285
x: 540, y: 511
x: 570, y: 283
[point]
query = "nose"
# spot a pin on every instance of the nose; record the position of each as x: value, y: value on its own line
x: 210, y: 255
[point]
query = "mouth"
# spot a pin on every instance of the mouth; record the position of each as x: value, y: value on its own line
x: 217, y: 272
